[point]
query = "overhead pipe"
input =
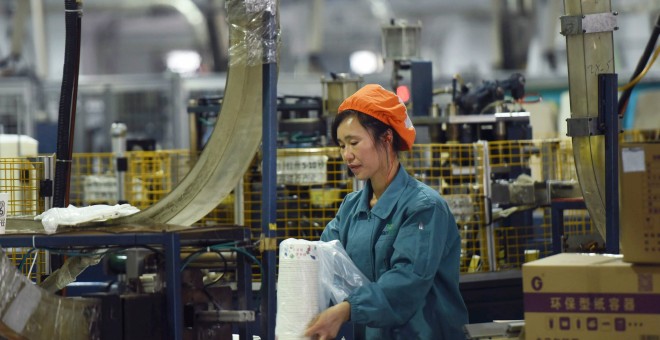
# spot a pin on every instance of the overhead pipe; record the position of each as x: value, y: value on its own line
x: 187, y: 8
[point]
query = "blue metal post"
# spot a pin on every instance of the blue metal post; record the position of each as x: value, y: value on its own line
x: 607, y: 110
x: 421, y: 94
x: 244, y: 288
x: 557, y: 207
x: 269, y: 185
x: 269, y: 199
x: 171, y: 243
x: 557, y: 228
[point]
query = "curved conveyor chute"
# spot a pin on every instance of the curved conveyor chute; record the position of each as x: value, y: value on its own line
x: 237, y: 133
x: 588, y: 55
x: 226, y: 157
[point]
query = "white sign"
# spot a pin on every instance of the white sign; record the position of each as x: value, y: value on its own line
x: 302, y: 170
x: 633, y: 160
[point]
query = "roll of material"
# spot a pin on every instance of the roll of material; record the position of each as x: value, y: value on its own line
x: 298, y: 288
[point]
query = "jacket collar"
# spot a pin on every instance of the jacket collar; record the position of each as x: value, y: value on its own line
x: 389, y: 198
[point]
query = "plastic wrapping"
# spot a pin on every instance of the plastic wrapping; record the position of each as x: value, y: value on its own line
x: 311, y: 275
x: 29, y: 312
x: 255, y: 33
x: 339, y: 276
x: 70, y: 270
x: 72, y: 215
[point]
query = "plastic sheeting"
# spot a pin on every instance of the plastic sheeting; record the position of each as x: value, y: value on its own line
x: 29, y: 312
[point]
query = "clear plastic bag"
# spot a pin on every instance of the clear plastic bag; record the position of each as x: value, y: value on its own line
x: 339, y: 276
x: 312, y: 274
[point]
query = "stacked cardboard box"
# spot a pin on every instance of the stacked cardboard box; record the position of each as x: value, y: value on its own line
x: 640, y: 202
x: 588, y: 296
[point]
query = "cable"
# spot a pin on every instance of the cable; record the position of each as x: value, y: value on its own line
x: 492, y: 104
x: 25, y: 256
x: 215, y: 281
x: 641, y: 75
x: 458, y: 77
x: 524, y: 100
x: 36, y: 254
x: 208, y: 295
x: 623, y: 100
x: 67, y: 107
x: 224, y: 260
x: 221, y: 246
x: 109, y: 250
x: 229, y: 246
x: 81, y: 252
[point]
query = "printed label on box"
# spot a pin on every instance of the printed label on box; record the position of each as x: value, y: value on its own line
x: 633, y: 160
x: 592, y: 303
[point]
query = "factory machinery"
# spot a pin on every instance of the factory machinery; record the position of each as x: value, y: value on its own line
x: 210, y: 284
x: 150, y: 270
x: 165, y: 287
x: 180, y: 282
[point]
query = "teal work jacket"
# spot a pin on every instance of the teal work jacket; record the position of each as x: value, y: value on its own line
x: 409, y: 247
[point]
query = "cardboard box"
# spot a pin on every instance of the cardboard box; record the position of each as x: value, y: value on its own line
x: 591, y: 297
x: 640, y: 202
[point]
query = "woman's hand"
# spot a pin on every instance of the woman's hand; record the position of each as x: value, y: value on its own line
x: 326, y: 325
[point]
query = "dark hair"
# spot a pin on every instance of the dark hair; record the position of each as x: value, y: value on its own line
x: 374, y: 126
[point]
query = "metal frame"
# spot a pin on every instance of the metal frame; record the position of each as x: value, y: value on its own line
x: 608, y: 124
x: 269, y: 176
x: 269, y: 197
x: 488, y: 213
x: 557, y: 210
x: 171, y: 243
x: 607, y: 111
x: 171, y: 247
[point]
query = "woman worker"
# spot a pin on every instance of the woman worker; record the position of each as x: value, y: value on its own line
x: 398, y: 231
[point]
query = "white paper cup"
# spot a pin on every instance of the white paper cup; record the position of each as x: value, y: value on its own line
x: 4, y: 209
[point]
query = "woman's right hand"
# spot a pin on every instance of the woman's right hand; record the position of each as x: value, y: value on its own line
x: 326, y: 325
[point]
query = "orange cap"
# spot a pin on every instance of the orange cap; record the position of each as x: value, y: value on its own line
x: 385, y: 106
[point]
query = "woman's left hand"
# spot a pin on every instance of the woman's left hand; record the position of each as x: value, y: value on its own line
x: 326, y: 325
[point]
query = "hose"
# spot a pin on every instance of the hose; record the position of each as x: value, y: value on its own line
x: 650, y: 46
x: 68, y: 97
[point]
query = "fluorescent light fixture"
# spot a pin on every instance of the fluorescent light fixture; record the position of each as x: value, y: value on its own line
x: 365, y: 62
x: 183, y: 61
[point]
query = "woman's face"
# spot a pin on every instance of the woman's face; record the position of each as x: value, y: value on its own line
x: 358, y: 149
